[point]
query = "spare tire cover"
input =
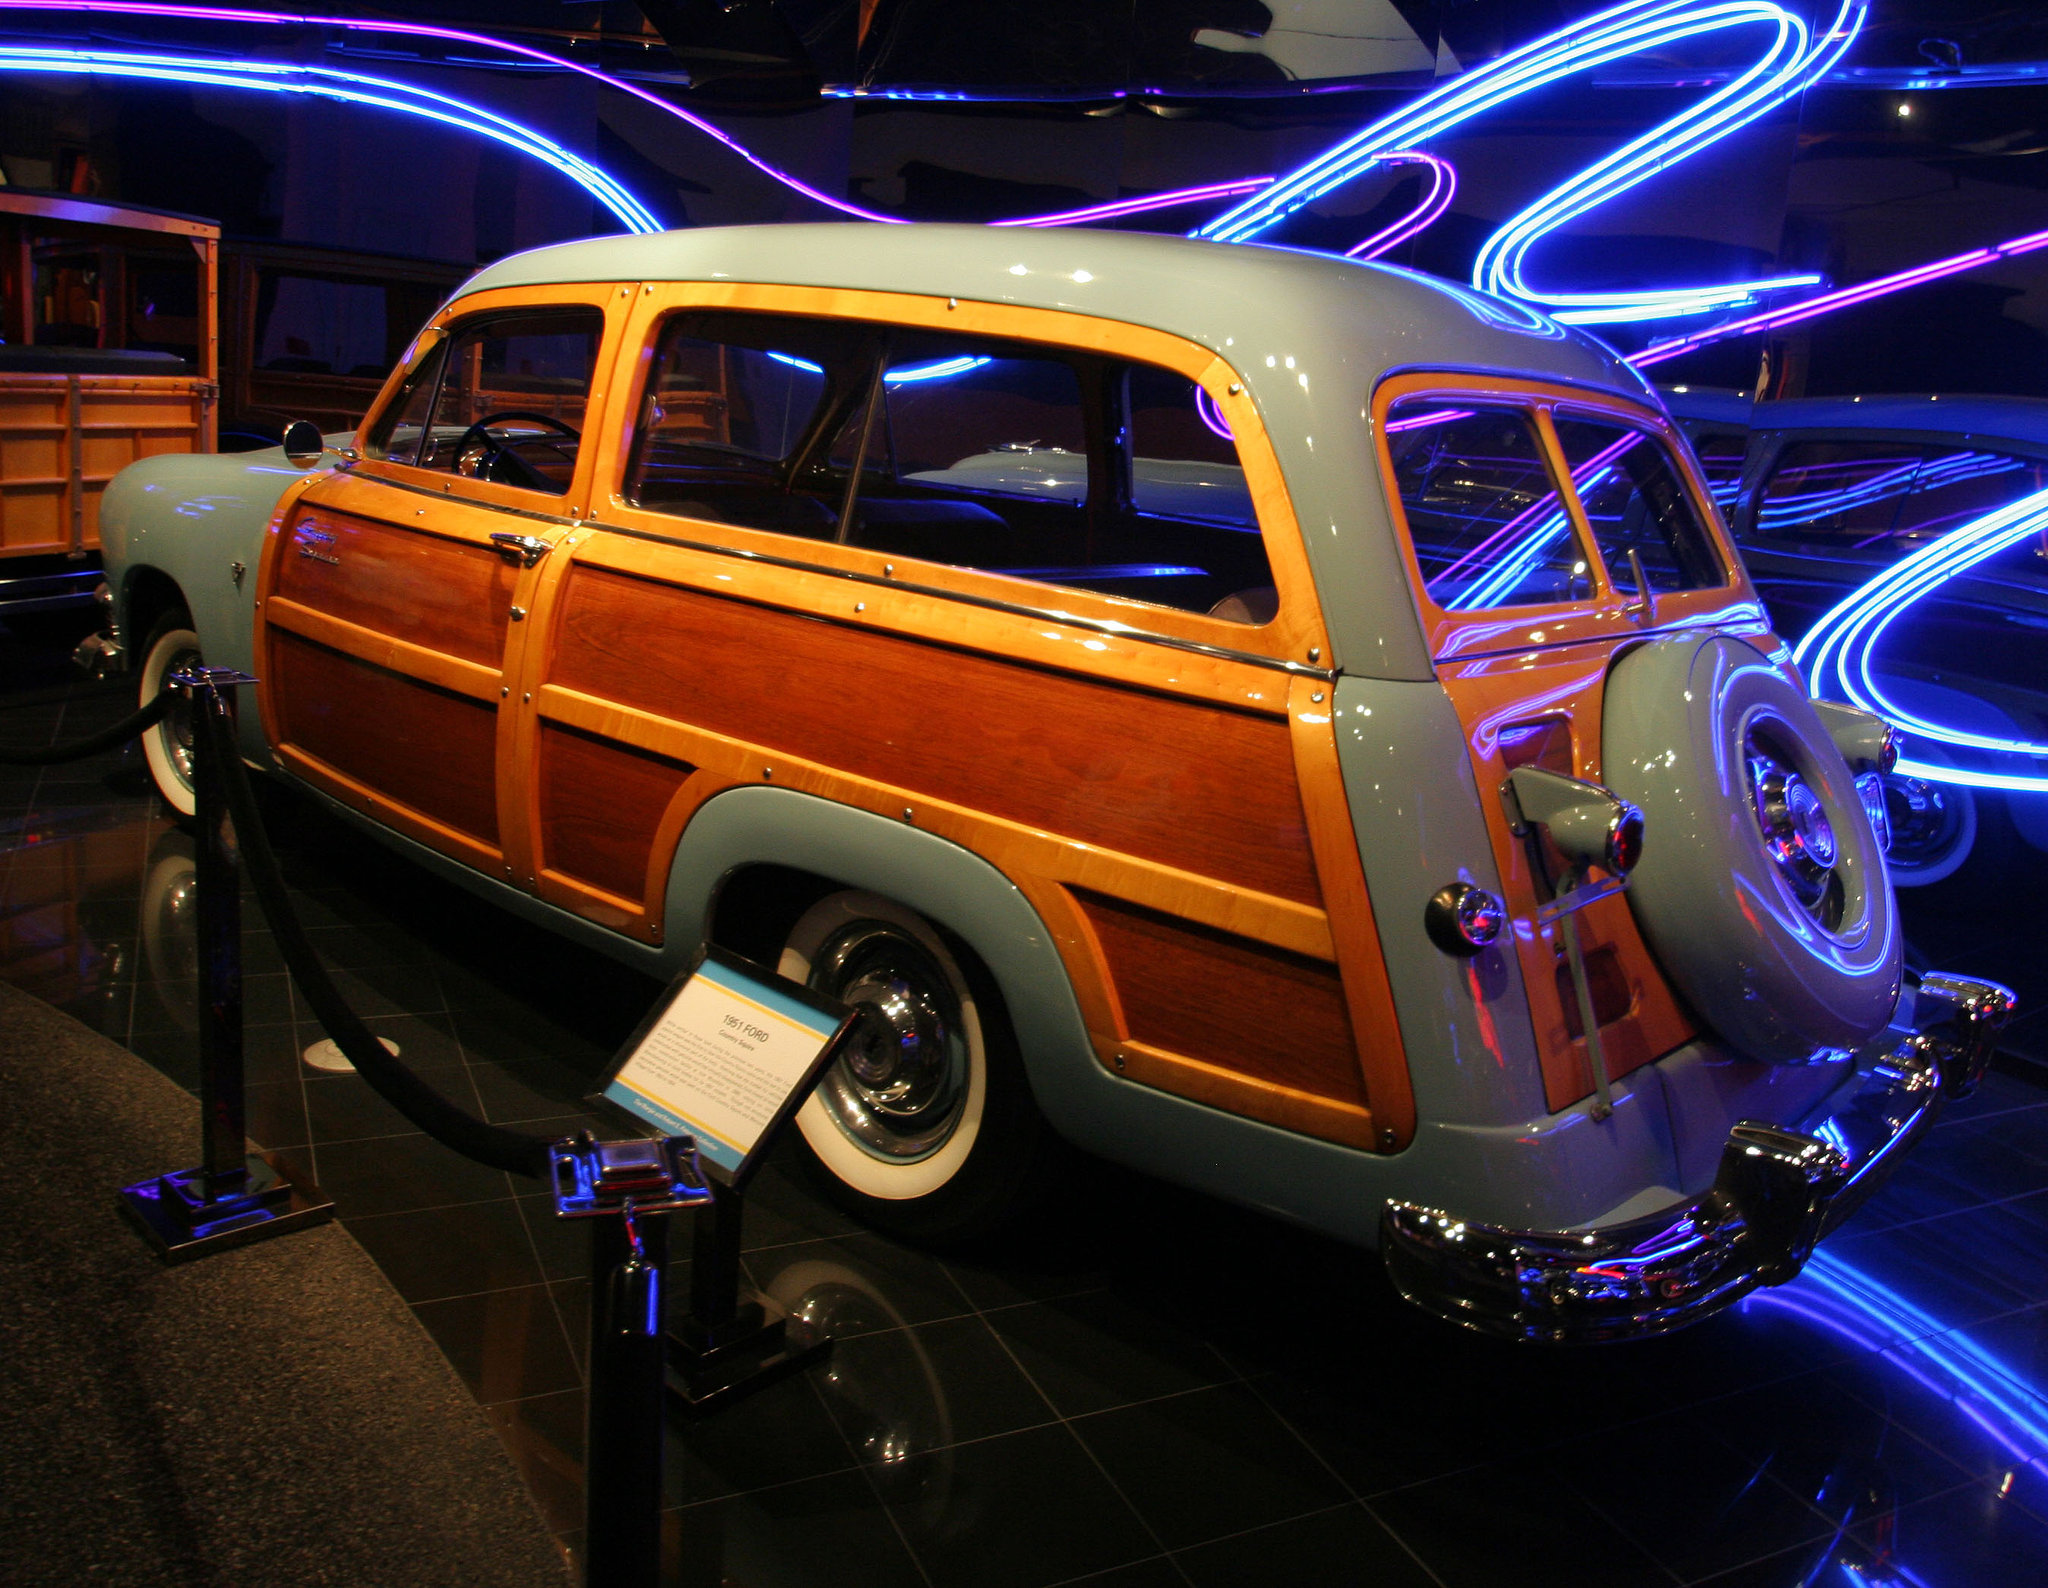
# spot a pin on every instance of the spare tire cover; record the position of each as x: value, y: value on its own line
x: 1777, y: 971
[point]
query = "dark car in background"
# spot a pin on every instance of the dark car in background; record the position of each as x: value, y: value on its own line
x: 1828, y: 494
x: 308, y: 333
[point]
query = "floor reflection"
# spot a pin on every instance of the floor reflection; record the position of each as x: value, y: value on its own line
x: 1156, y: 1389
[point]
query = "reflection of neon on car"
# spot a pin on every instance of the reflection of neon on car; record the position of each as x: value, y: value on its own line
x: 1910, y: 473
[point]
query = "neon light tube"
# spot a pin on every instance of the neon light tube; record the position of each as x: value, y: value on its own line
x: 1837, y: 651
x: 1793, y: 58
x: 1138, y: 206
x: 426, y: 31
x: 350, y: 87
x: 1828, y: 302
x: 1443, y: 187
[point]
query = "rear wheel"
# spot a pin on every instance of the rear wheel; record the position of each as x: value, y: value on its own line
x: 171, y: 647
x: 925, y: 1125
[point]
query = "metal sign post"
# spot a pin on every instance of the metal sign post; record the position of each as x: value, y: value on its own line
x: 729, y: 1053
x: 233, y: 1196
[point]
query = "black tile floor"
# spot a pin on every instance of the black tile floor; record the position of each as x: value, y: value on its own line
x: 1154, y: 1389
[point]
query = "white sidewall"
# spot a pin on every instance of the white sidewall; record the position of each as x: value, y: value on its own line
x: 163, y: 770
x: 848, y: 1160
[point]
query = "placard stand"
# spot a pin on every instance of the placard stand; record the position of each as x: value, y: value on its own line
x: 727, y: 1056
x: 732, y: 1342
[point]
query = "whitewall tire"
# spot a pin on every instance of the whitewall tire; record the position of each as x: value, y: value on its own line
x: 924, y: 1125
x: 171, y: 646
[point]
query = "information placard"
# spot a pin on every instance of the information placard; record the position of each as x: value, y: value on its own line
x: 727, y: 1055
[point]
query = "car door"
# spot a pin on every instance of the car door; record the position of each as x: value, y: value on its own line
x: 394, y: 591
x: 1549, y: 528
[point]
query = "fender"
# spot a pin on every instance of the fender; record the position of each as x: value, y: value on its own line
x: 192, y: 518
x: 1321, y: 1184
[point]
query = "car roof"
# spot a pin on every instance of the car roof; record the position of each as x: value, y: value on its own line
x: 1226, y: 297
x: 2020, y: 418
x: 1708, y: 405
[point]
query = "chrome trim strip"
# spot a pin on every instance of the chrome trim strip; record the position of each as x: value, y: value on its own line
x: 988, y: 603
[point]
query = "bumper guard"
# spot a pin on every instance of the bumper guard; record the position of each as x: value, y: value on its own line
x: 1777, y: 1193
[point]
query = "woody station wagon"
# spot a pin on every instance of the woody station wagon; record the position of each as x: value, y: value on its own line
x: 1293, y: 726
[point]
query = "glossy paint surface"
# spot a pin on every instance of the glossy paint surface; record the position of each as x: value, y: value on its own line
x: 1199, y: 1395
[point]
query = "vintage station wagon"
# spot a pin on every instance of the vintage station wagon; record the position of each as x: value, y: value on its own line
x: 1293, y: 726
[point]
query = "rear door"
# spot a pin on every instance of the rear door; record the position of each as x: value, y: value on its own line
x: 1549, y: 529
x: 394, y: 592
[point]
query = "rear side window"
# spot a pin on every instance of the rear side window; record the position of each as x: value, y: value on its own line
x: 1956, y: 484
x: 1879, y: 500
x: 1637, y: 508
x: 1011, y: 457
x: 1183, y: 456
x: 1488, y: 525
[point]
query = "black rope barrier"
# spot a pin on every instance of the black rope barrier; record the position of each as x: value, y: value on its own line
x: 127, y: 728
x: 491, y: 1145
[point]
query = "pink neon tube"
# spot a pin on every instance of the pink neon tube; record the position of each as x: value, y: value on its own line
x: 1443, y: 187
x: 1828, y: 302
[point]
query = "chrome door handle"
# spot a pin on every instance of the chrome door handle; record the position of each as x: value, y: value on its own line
x: 527, y: 549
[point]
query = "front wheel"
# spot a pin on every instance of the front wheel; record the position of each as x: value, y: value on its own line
x: 172, y: 647
x: 925, y: 1125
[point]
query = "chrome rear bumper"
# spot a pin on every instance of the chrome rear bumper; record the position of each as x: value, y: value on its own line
x: 1776, y: 1194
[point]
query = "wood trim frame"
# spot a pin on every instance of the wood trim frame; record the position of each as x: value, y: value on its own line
x: 608, y: 298
x: 1296, y: 630
x: 1354, y: 933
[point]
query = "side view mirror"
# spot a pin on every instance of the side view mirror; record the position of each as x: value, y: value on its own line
x: 303, y: 447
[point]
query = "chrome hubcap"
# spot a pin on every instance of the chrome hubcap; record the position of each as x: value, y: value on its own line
x: 177, y: 724
x: 901, y: 1081
x: 1797, y: 832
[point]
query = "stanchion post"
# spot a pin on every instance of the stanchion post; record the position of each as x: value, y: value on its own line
x: 223, y: 1101
x: 233, y: 1196
x: 622, y: 1464
x: 626, y: 1189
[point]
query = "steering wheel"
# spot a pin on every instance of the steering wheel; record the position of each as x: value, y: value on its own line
x: 477, y: 450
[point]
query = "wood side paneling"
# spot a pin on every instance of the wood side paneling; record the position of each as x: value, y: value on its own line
x: 446, y: 595
x: 1199, y: 787
x: 600, y: 805
x: 1229, y: 1002
x: 424, y: 747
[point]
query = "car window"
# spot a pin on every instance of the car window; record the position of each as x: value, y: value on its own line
x: 976, y: 452
x: 394, y: 434
x: 1636, y: 503
x: 1842, y: 494
x: 1721, y: 453
x: 1183, y: 456
x: 507, y: 400
x: 1489, y: 527
x: 1956, y: 484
